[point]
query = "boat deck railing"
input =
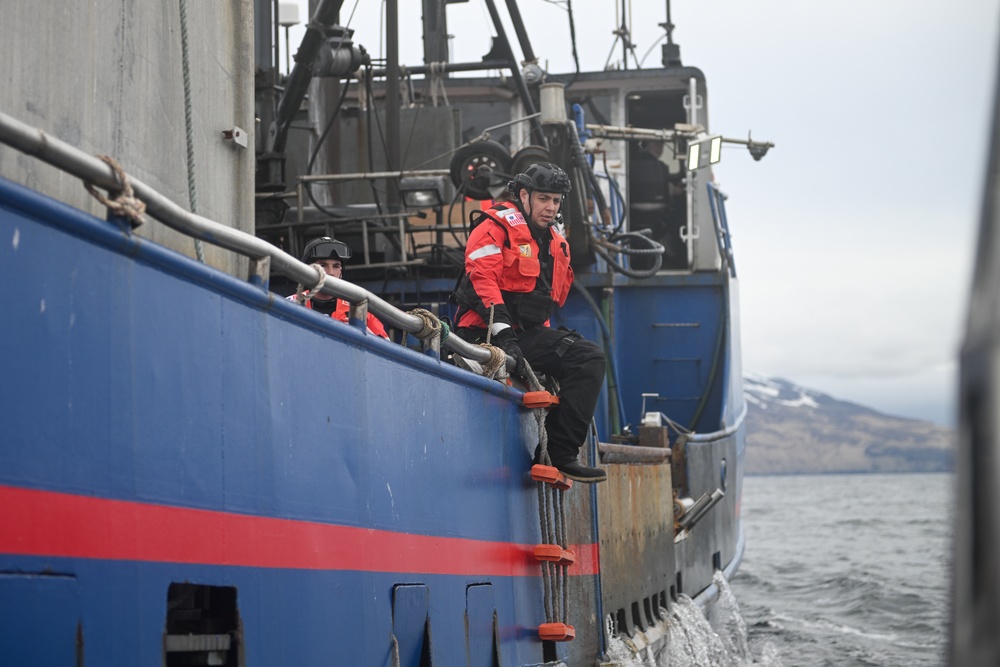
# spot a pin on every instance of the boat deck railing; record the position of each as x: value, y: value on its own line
x: 396, y: 227
x: 264, y: 257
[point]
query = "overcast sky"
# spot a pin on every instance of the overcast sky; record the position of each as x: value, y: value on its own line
x: 854, y: 236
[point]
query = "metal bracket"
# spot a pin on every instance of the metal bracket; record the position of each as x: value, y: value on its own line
x: 237, y: 135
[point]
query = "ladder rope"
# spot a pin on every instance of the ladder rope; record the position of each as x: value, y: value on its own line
x: 188, y: 124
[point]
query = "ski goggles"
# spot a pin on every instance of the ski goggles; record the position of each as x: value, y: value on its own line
x: 329, y: 250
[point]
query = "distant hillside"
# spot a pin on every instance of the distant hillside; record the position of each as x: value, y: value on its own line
x: 791, y: 429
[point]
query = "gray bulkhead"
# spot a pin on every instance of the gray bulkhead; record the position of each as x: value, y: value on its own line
x: 108, y: 78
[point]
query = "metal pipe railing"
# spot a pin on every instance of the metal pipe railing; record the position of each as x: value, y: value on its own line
x: 36, y: 143
x: 719, y: 435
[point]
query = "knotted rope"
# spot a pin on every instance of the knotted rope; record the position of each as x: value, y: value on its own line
x: 498, y: 360
x: 301, y: 294
x: 433, y: 331
x: 437, y: 83
x: 123, y: 203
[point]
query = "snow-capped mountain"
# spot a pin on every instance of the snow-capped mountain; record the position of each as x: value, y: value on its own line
x: 794, y: 429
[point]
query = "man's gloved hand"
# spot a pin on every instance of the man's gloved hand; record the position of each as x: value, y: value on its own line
x: 506, y: 340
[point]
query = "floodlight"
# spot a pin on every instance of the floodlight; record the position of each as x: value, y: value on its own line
x: 715, y: 154
x: 704, y: 151
x: 694, y: 155
x: 422, y: 192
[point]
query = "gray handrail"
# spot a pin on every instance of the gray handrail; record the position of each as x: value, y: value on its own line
x: 718, y: 435
x: 34, y: 142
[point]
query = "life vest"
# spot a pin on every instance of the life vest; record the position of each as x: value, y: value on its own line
x: 342, y: 312
x: 501, y: 262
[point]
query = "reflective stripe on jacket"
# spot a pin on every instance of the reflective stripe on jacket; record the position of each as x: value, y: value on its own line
x: 502, y: 256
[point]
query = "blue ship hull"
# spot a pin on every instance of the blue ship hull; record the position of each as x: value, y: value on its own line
x: 341, y: 499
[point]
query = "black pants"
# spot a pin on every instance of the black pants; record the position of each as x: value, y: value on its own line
x: 578, y: 365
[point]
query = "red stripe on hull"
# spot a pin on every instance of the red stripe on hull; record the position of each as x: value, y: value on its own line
x: 47, y: 523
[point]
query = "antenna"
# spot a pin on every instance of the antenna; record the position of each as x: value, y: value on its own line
x: 671, y: 55
x: 622, y: 33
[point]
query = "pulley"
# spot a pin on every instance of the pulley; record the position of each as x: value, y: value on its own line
x: 528, y: 156
x: 338, y: 56
x: 481, y: 169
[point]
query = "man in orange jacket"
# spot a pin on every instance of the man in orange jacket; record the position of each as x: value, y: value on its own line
x: 331, y: 255
x: 517, y: 269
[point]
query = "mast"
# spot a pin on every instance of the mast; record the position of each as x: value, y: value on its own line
x: 392, y: 99
x: 670, y: 53
x: 515, y: 72
x: 522, y: 34
x: 625, y: 40
x: 435, y: 21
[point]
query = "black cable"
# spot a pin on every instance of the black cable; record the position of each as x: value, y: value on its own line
x: 459, y: 194
x: 572, y: 38
x: 368, y: 128
x: 601, y: 248
x: 613, y: 186
x: 381, y: 134
x: 319, y: 143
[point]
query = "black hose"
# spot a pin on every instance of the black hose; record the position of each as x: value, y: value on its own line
x: 582, y: 163
x: 602, y: 248
x: 368, y: 128
x: 612, y: 376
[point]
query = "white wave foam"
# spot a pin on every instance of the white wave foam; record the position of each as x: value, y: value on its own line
x: 690, y: 639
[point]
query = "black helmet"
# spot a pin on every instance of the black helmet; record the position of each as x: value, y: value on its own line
x: 541, y: 177
x: 325, y: 248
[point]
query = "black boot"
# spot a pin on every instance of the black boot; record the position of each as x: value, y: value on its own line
x: 581, y: 473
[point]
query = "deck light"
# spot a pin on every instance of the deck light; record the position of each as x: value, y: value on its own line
x: 694, y: 155
x: 422, y: 191
x: 715, y: 153
x: 704, y: 151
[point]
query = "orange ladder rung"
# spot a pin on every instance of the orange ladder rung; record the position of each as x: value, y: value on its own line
x: 550, y: 475
x: 539, y: 399
x: 556, y: 632
x: 554, y: 554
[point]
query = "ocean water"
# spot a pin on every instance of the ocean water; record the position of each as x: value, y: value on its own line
x: 839, y: 571
x: 846, y: 570
x: 688, y: 637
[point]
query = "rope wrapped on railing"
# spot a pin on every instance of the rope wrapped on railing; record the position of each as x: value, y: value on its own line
x: 432, y: 333
x: 302, y: 294
x: 122, y: 203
